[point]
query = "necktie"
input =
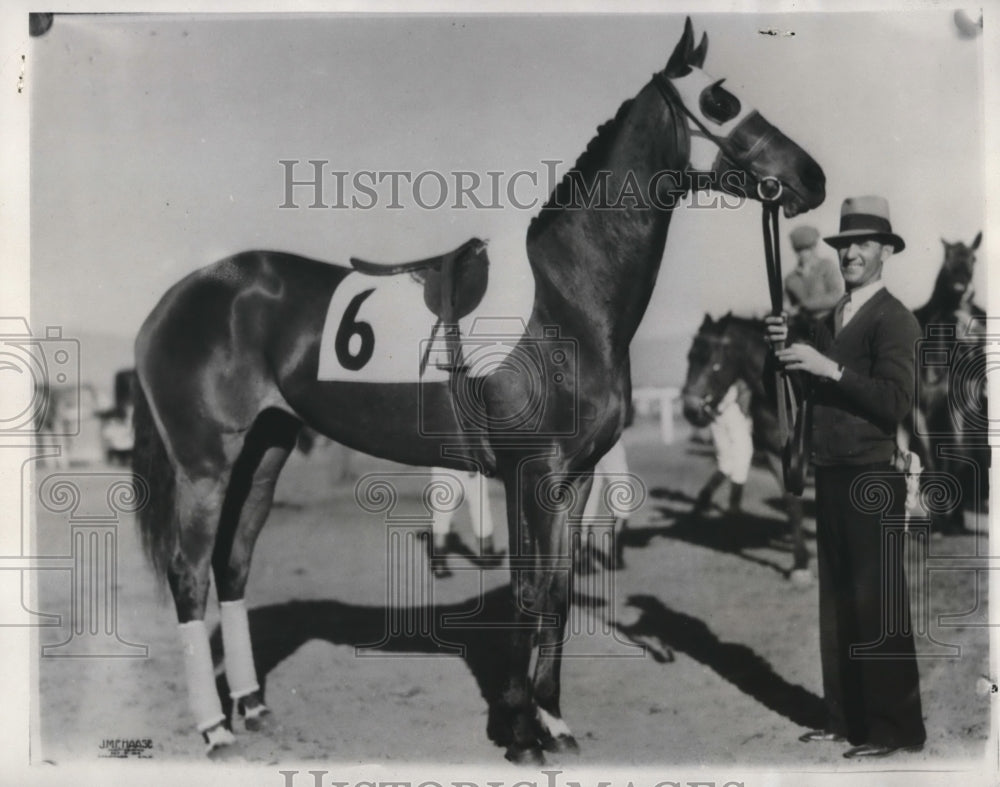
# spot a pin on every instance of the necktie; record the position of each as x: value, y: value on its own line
x: 843, y: 312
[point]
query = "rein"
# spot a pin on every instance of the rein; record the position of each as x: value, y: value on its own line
x: 791, y: 420
x: 791, y: 425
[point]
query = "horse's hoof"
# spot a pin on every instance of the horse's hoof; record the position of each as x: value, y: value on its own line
x: 525, y: 755
x: 220, y: 742
x: 801, y: 577
x: 562, y: 744
x: 256, y: 718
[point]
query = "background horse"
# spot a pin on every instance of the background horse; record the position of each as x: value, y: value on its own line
x: 950, y: 417
x: 228, y: 364
x: 734, y: 348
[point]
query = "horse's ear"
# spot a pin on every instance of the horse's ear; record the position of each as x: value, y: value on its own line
x: 707, y: 321
x: 679, y: 63
x: 976, y: 241
x: 697, y: 58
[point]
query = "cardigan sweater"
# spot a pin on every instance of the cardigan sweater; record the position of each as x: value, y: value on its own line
x: 854, y: 419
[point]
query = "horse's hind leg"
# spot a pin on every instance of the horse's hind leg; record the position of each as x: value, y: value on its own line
x: 247, y: 504
x: 199, y: 503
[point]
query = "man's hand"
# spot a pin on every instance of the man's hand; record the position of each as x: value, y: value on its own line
x: 777, y: 328
x: 806, y: 358
x: 799, y: 357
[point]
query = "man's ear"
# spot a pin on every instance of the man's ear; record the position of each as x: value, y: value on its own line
x: 887, y: 251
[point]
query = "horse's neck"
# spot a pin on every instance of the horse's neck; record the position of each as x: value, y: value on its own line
x: 751, y: 356
x: 943, y: 297
x: 595, y: 267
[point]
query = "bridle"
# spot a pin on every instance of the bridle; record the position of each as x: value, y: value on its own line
x: 769, y: 191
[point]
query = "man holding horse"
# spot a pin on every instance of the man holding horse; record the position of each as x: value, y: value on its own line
x: 862, y: 365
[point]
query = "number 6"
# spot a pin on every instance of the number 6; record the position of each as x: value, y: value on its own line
x: 348, y: 328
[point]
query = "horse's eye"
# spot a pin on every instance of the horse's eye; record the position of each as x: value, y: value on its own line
x: 718, y: 104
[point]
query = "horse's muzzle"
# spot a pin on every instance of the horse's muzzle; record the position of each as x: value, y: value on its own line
x: 698, y: 411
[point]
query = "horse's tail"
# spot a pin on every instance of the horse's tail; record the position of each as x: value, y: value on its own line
x: 152, y: 467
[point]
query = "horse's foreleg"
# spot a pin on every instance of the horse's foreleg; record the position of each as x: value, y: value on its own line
x: 554, y: 581
x: 243, y: 519
x: 800, y: 573
x: 516, y: 703
x: 199, y: 503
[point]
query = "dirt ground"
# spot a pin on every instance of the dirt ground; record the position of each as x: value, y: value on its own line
x: 699, y: 653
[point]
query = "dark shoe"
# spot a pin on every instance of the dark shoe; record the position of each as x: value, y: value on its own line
x: 822, y: 736
x: 877, y: 750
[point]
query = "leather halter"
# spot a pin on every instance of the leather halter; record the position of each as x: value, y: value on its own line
x: 791, y: 420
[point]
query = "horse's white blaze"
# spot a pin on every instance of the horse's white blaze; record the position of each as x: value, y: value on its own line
x: 205, y: 704
x: 556, y: 727
x: 240, y: 673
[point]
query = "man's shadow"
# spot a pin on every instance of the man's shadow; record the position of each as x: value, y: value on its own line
x: 670, y: 631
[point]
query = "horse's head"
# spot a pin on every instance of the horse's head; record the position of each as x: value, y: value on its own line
x: 745, y: 154
x: 954, y: 283
x: 712, y: 369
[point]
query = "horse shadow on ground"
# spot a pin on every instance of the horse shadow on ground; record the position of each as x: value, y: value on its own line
x: 738, y: 664
x: 477, y: 631
x: 474, y: 630
x: 734, y: 534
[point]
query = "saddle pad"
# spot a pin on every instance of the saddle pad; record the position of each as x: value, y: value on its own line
x: 378, y: 329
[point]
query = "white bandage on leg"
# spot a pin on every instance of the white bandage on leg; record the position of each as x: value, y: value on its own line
x: 240, y: 672
x: 202, y: 694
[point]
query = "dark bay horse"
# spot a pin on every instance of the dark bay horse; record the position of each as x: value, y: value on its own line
x: 950, y: 418
x: 730, y: 349
x: 228, y: 365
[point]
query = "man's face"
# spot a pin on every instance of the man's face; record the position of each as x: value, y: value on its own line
x: 861, y: 262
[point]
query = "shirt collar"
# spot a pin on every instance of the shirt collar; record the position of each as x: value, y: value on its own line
x: 863, y: 294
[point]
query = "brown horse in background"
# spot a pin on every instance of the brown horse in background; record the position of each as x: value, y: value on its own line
x: 950, y: 415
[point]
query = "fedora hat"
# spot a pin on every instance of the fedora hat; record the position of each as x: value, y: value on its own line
x: 862, y: 218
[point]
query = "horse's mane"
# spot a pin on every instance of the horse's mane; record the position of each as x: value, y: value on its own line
x: 582, y: 170
x: 753, y: 325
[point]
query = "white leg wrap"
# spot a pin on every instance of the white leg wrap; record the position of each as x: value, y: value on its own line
x: 240, y: 672
x: 556, y: 727
x: 202, y: 695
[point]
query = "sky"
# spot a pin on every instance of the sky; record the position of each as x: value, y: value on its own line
x: 156, y: 140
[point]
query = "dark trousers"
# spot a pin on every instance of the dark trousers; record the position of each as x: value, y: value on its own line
x: 872, y: 693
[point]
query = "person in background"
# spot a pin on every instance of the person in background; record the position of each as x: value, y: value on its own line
x: 862, y: 364
x: 813, y: 289
x: 732, y: 435
x: 471, y: 487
